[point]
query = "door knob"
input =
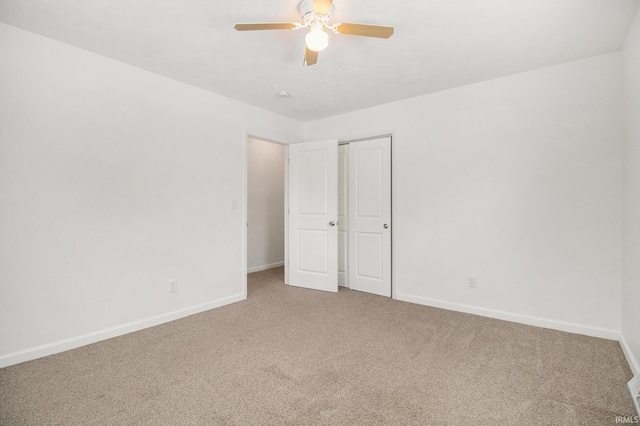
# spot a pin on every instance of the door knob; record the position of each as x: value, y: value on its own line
x: 386, y: 226
x: 332, y: 223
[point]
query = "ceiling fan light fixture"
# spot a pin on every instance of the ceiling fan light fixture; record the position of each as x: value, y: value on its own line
x: 317, y: 40
x: 315, y: 16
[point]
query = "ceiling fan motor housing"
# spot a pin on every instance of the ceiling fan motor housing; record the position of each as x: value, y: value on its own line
x: 311, y: 18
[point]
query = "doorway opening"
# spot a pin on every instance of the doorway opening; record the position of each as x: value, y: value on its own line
x: 265, y: 212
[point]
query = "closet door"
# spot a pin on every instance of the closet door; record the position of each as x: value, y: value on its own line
x: 370, y: 216
x: 313, y: 215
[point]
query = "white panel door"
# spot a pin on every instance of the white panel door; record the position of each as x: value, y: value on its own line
x: 370, y: 216
x: 343, y: 215
x: 313, y: 215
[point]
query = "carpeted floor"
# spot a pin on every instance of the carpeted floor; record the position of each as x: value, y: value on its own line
x: 294, y: 356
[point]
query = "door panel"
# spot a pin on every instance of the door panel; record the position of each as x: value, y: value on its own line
x: 343, y: 215
x: 369, y: 261
x: 313, y: 208
x: 370, y: 211
x: 369, y: 182
x: 312, y: 250
x: 313, y: 175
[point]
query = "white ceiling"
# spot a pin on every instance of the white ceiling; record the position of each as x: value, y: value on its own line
x: 438, y: 44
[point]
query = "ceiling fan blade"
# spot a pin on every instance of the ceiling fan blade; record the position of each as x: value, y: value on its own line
x: 322, y: 7
x: 365, y: 30
x: 273, y: 26
x: 310, y: 57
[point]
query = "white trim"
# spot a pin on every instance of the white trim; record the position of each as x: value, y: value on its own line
x: 108, y: 333
x: 628, y: 354
x: 286, y: 214
x: 245, y: 210
x: 634, y: 388
x: 264, y: 267
x: 587, y: 330
x: 354, y: 137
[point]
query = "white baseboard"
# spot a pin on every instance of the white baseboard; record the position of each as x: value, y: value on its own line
x: 264, y: 267
x: 108, y: 333
x: 631, y: 359
x: 586, y: 330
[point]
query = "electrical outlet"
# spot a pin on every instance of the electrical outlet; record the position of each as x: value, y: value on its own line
x: 173, y: 286
x: 471, y: 281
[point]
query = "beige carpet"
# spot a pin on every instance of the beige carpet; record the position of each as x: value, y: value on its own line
x: 295, y: 356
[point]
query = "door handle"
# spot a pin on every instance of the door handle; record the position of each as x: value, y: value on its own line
x: 385, y: 226
x: 332, y: 223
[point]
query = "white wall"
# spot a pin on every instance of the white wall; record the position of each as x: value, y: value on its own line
x: 631, y: 195
x: 515, y: 180
x: 113, y: 181
x: 265, y: 205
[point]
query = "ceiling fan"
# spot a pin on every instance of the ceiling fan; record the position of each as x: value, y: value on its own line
x: 315, y: 17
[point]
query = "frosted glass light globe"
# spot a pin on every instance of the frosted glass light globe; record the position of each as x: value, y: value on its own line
x: 317, y: 40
